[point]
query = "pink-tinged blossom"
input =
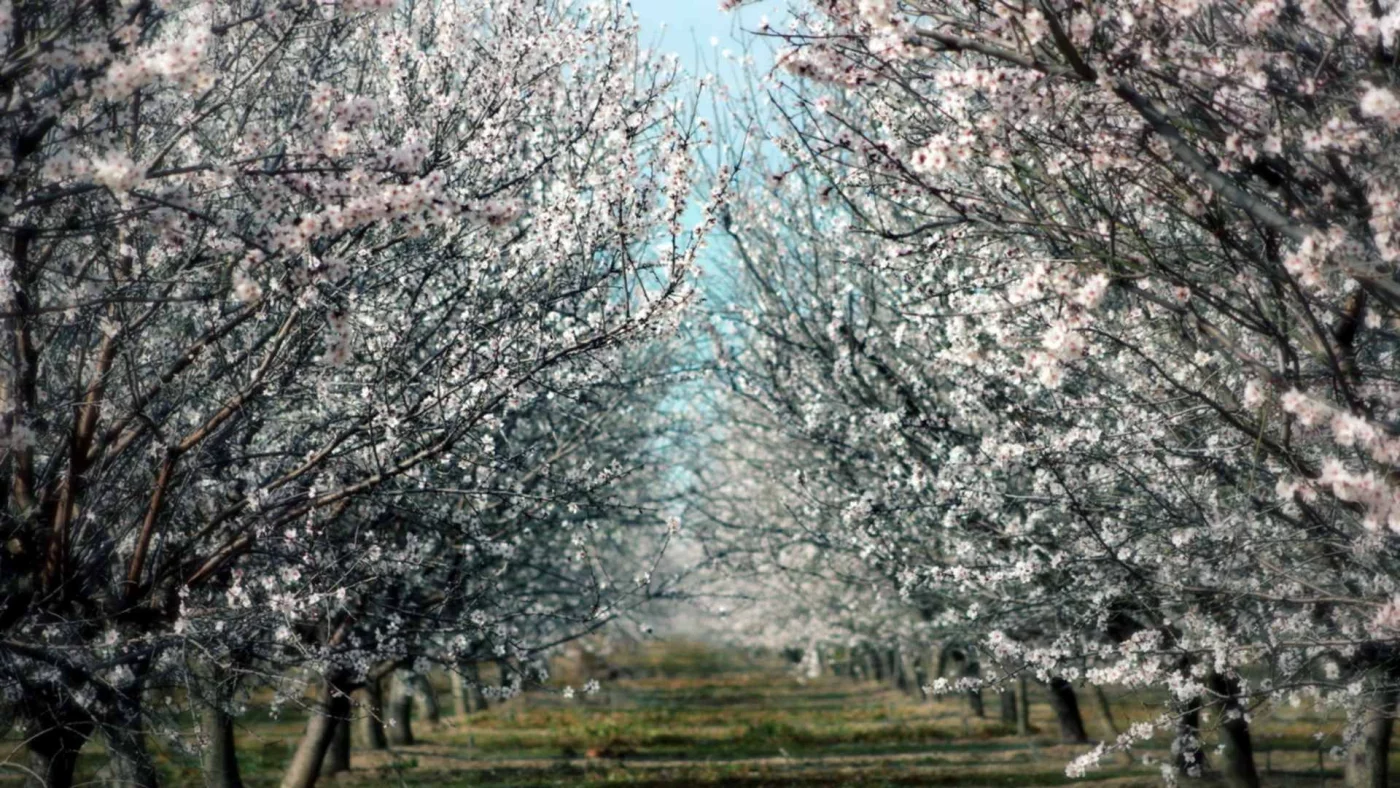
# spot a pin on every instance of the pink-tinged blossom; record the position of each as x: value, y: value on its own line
x: 1381, y: 103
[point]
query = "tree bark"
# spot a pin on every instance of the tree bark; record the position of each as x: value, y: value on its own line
x: 305, y: 768
x: 1186, y: 747
x: 972, y: 669
x: 503, y: 668
x: 338, y: 756
x: 1368, y: 760
x: 1008, y: 706
x: 1023, y: 711
x: 461, y: 704
x: 220, y: 756
x: 1066, y: 706
x: 921, y: 679
x: 1239, y: 747
x: 372, y: 715
x: 898, y: 677
x: 129, y: 762
x: 400, y: 716
x: 475, y: 701
x: 53, y: 755
x: 425, y: 693
x: 877, y: 667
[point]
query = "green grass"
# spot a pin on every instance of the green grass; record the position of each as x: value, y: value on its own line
x: 684, y: 715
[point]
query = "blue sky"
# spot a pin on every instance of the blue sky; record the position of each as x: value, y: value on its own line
x: 679, y: 25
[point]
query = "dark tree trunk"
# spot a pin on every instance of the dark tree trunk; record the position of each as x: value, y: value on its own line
x: 424, y: 692
x: 1023, y: 712
x: 220, y: 756
x: 1368, y: 760
x: 338, y: 756
x: 333, y: 709
x: 899, y: 678
x: 972, y: 669
x: 1190, y: 755
x: 503, y: 668
x: 53, y: 755
x: 129, y: 762
x: 1008, y: 706
x: 372, y: 714
x: 877, y: 667
x: 1239, y: 747
x: 400, y: 716
x: 1066, y: 706
x: 921, y: 679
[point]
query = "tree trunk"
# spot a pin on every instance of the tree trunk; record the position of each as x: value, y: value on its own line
x: 1186, y: 747
x: 400, y: 716
x: 475, y: 701
x: 921, y: 678
x: 461, y: 703
x: 53, y: 756
x: 129, y: 762
x: 372, y: 715
x: 503, y: 668
x: 1106, y: 711
x: 220, y: 755
x: 1008, y: 706
x: 898, y: 677
x: 972, y: 669
x: 1066, y: 706
x: 1239, y: 747
x: 305, y: 768
x: 425, y: 693
x: 877, y: 667
x: 1023, y: 711
x: 338, y: 756
x: 1368, y: 760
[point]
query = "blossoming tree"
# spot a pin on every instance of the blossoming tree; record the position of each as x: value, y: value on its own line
x: 271, y: 269
x: 1141, y: 251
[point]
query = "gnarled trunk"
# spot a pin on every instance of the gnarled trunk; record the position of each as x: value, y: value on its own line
x: 338, y: 756
x: 400, y: 714
x: 220, y: 756
x: 1239, y: 747
x: 129, y: 763
x: 305, y: 767
x: 1368, y: 760
x: 53, y: 755
x: 372, y: 715
x: 1066, y: 706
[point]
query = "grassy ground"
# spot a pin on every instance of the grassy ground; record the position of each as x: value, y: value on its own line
x: 691, y: 719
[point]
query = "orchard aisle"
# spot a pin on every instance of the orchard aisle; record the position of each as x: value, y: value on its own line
x: 685, y: 718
